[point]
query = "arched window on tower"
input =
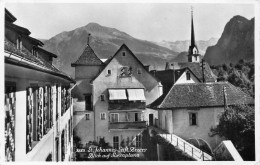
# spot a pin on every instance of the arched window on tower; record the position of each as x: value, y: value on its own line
x: 194, y: 50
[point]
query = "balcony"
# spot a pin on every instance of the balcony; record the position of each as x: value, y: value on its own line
x: 127, y: 125
x: 126, y: 105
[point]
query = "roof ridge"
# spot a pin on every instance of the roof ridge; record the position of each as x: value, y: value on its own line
x: 110, y: 59
x: 201, y: 83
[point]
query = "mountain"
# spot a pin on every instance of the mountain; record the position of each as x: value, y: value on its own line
x: 235, y: 43
x: 181, y: 57
x: 180, y: 46
x: 105, y: 42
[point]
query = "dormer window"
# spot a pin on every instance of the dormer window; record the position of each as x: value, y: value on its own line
x: 188, y: 76
x: 34, y: 52
x: 19, y: 44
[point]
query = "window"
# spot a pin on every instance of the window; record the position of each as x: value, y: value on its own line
x: 102, y: 97
x: 138, y: 141
x: 19, y: 43
x: 88, y: 102
x: 123, y: 53
x: 188, y: 76
x: 139, y: 71
x: 108, y: 72
x: 193, y: 118
x: 103, y: 116
x: 34, y: 52
x: 115, y: 142
x: 87, y: 116
x: 137, y: 116
x: 114, y: 117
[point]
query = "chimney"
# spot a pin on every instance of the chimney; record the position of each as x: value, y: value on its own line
x: 175, y: 65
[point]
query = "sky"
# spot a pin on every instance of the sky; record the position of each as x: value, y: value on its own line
x: 147, y: 21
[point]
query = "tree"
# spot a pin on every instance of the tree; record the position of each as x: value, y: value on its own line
x: 237, y: 123
x: 240, y: 74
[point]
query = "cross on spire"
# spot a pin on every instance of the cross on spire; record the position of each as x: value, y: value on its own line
x: 88, y: 38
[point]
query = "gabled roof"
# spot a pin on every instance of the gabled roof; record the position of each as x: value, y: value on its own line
x: 110, y: 59
x: 24, y: 33
x: 170, y: 76
x: 196, y: 69
x: 18, y: 28
x: 87, y: 58
x: 201, y: 95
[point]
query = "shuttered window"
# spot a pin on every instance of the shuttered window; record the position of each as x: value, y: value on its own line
x: 193, y: 118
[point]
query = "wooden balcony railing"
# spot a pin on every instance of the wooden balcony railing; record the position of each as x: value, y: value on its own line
x: 127, y: 125
x: 126, y: 105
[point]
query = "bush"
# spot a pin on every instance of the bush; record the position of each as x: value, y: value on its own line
x: 237, y: 123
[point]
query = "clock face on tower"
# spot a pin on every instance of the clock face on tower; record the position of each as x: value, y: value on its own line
x: 125, y: 71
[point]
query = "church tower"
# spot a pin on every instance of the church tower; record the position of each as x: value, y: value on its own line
x: 193, y: 55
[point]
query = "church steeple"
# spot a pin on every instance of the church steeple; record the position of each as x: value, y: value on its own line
x: 193, y: 50
x: 192, y: 30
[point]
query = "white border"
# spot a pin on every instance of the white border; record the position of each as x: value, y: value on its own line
x: 257, y: 65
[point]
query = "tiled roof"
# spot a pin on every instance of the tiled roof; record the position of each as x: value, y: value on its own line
x: 88, y: 57
x: 46, y: 52
x: 33, y: 62
x: 196, y: 69
x: 201, y: 95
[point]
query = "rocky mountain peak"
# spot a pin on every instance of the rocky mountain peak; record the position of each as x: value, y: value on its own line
x: 235, y: 43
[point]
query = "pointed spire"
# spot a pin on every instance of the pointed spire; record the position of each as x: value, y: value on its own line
x: 192, y: 29
x: 193, y: 50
